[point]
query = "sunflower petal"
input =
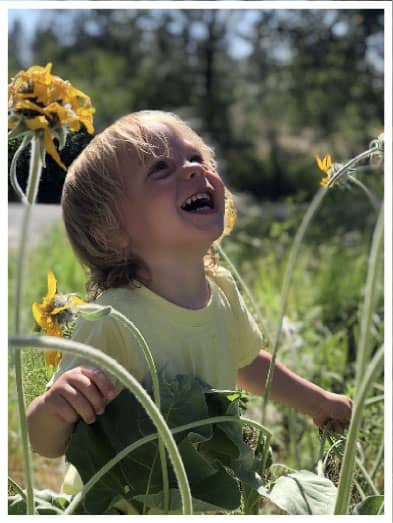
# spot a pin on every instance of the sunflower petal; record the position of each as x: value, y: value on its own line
x: 38, y: 315
x: 52, y: 286
x: 75, y: 301
x: 53, y: 358
x: 51, y: 149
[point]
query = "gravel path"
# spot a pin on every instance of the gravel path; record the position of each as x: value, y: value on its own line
x: 43, y: 217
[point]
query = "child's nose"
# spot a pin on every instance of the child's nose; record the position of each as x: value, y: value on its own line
x: 191, y: 169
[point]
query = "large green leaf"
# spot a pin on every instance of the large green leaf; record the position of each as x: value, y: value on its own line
x: 372, y: 506
x: 304, y: 493
x: 205, y: 451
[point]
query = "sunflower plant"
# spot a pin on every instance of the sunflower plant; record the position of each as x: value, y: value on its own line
x: 43, y: 107
x: 55, y: 314
x: 42, y: 110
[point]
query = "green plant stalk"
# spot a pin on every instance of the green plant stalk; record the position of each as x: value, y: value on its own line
x: 156, y: 394
x: 373, y: 199
x: 375, y: 399
x: 143, y: 345
x: 346, y: 473
x: 369, y: 299
x: 367, y: 477
x: 32, y: 189
x: 352, y: 161
x: 378, y: 459
x: 359, y: 464
x: 247, y: 290
x: 147, y: 439
x: 112, y: 366
x: 13, y: 177
x: 311, y: 210
x: 360, y: 490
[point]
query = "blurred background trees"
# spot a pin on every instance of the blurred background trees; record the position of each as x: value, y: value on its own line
x: 268, y: 89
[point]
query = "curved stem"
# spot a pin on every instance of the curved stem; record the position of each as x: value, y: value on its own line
x: 112, y: 366
x: 346, y: 474
x: 312, y: 208
x: 370, y: 195
x: 33, y: 182
x: 247, y: 290
x: 143, y: 345
x: 353, y: 161
x: 13, y: 177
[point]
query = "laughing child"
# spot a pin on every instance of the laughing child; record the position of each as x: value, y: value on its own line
x: 143, y: 205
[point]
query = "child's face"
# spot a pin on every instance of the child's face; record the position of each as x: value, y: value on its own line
x: 175, y: 203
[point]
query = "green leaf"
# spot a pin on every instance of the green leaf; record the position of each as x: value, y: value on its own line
x: 205, y: 450
x: 46, y: 502
x: 304, y: 493
x: 94, y: 312
x: 372, y: 505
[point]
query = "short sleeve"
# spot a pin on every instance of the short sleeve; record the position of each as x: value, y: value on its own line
x: 249, y: 336
x: 112, y: 338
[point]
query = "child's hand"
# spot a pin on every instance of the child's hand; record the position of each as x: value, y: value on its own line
x: 79, y: 393
x: 334, y: 408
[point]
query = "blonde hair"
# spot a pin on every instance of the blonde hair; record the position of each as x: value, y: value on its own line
x: 96, y: 182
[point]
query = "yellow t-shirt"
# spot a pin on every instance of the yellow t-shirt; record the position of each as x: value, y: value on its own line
x: 211, y: 343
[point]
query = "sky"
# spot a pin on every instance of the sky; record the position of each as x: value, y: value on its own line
x: 32, y: 18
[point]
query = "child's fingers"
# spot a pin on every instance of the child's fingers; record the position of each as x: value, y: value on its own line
x: 78, y: 402
x: 63, y: 408
x: 86, y: 386
x: 103, y: 384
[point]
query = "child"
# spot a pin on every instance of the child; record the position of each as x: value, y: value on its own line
x: 142, y: 206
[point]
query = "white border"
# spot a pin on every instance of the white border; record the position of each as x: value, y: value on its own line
x: 5, y: 6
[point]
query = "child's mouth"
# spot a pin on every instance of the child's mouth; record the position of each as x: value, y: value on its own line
x: 201, y: 202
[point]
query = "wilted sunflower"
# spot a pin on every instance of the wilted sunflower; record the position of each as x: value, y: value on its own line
x: 55, y: 311
x: 326, y: 166
x: 40, y: 104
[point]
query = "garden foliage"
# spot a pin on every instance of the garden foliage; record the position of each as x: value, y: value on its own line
x: 215, y: 456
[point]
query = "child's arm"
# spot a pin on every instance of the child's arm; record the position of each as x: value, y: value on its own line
x: 295, y: 392
x: 78, y: 393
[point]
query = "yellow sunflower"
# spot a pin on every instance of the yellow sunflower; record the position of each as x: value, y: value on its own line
x: 39, y: 102
x: 54, y: 311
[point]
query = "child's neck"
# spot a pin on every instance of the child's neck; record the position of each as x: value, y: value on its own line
x: 185, y: 285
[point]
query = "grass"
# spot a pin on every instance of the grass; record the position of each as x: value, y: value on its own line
x: 321, y: 329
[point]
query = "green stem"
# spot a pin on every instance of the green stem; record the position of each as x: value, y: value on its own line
x: 32, y: 189
x: 247, y: 290
x: 375, y: 399
x: 346, y: 474
x: 353, y: 161
x: 312, y: 208
x: 367, y: 477
x: 370, y: 195
x: 378, y: 459
x: 13, y: 177
x: 143, y: 345
x: 113, y: 367
x: 370, y: 293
